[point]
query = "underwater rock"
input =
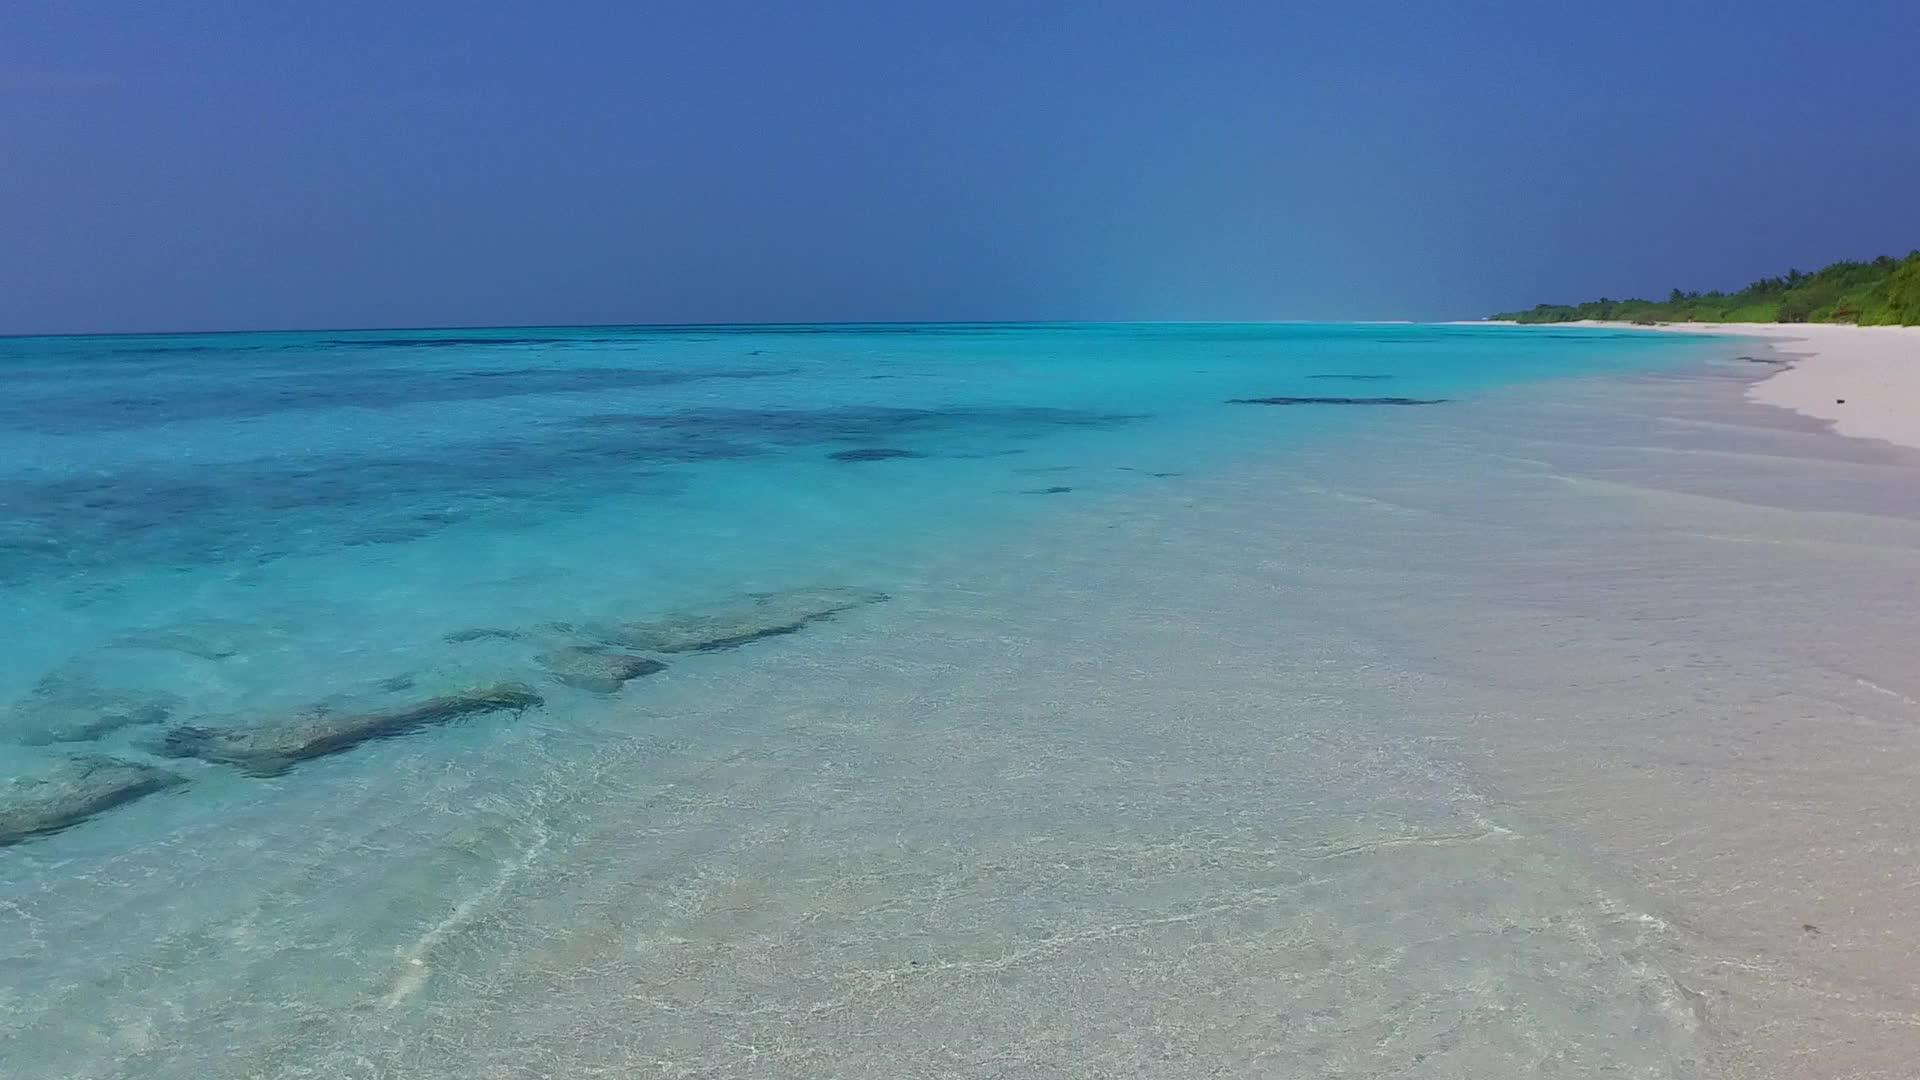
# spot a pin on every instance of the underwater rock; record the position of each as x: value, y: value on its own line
x: 1335, y: 401
x: 70, y: 708
x: 769, y: 615
x: 878, y: 453
x: 599, y: 670
x: 71, y: 791
x: 271, y: 749
x: 483, y: 633
x: 208, y: 639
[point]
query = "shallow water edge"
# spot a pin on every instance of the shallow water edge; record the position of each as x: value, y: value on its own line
x: 1155, y: 785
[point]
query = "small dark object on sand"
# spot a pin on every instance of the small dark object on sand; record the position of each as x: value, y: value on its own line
x: 271, y: 749
x: 1335, y: 401
x: 878, y: 453
x: 599, y: 670
x: 1839, y: 401
x: 71, y: 791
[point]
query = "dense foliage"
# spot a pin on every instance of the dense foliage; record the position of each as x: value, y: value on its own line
x: 1884, y: 291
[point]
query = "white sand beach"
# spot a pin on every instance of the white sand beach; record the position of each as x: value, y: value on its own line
x: 1864, y: 379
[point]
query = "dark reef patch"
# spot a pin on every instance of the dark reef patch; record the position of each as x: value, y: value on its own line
x: 187, y: 398
x: 251, y: 512
x: 272, y: 748
x: 68, y: 707
x: 436, y: 341
x: 877, y: 453
x: 482, y: 633
x: 56, y: 521
x: 597, y: 669
x: 765, y: 615
x: 1335, y: 401
x: 72, y: 790
x: 207, y: 639
x: 859, y: 423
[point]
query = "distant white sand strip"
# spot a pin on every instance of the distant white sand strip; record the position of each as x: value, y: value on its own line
x: 1865, y: 380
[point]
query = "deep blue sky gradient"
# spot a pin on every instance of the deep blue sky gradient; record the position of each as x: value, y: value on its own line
x: 172, y: 165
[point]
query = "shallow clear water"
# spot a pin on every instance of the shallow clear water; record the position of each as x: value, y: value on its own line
x: 1062, y: 791
x: 325, y: 507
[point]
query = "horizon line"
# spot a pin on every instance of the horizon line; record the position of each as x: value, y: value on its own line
x: 771, y: 324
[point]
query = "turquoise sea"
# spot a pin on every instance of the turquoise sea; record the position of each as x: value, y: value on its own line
x: 731, y: 701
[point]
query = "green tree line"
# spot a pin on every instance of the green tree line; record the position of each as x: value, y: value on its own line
x: 1883, y: 292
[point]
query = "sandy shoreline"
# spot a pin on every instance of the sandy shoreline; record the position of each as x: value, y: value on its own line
x: 1676, y: 631
x: 1864, y: 380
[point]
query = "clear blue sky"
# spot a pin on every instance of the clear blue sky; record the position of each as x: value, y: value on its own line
x: 265, y: 164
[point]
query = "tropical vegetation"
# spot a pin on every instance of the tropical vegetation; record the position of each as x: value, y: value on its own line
x: 1885, y: 291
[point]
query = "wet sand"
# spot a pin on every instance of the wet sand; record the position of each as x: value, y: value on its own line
x: 1689, y: 622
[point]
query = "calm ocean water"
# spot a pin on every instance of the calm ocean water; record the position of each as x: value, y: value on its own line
x: 775, y: 632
